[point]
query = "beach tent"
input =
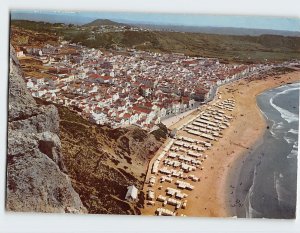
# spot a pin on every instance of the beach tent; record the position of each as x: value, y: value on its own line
x: 132, y: 193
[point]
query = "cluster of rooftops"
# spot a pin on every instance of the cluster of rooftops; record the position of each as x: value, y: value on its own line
x: 125, y: 87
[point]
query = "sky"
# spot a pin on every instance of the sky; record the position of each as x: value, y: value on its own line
x: 200, y: 20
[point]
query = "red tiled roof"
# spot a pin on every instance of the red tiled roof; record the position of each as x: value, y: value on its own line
x: 148, y: 104
x: 94, y: 76
x: 106, y: 77
x: 139, y: 109
x: 127, y: 115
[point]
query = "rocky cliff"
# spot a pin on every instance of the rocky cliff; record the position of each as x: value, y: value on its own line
x: 36, y: 175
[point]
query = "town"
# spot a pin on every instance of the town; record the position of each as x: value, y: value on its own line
x: 123, y: 87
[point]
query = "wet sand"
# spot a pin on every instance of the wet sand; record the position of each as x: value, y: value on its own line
x: 212, y: 196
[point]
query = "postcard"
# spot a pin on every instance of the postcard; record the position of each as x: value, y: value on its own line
x: 157, y: 114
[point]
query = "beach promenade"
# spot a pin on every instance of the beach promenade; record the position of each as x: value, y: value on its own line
x: 211, y: 196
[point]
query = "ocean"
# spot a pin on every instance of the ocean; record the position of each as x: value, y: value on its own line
x: 267, y: 183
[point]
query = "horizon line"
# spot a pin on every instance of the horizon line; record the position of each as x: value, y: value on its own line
x: 294, y: 26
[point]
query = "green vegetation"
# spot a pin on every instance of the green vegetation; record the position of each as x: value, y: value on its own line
x: 161, y: 133
x: 37, y: 26
x: 228, y: 48
x: 103, y: 22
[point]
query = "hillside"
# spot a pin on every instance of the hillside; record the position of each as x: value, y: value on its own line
x: 23, y: 37
x: 102, y: 162
x: 103, y: 22
x: 221, y: 30
x: 245, y: 49
x: 228, y: 48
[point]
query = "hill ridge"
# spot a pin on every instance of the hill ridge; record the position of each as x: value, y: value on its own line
x: 104, y: 22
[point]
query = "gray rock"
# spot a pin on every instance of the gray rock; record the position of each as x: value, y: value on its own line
x: 35, y: 183
x: 36, y: 176
x: 17, y: 87
x: 35, y: 119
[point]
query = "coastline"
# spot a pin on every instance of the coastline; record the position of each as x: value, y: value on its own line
x: 212, y: 196
x: 232, y: 177
x: 270, y: 159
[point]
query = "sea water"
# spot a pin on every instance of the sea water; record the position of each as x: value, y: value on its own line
x: 267, y: 185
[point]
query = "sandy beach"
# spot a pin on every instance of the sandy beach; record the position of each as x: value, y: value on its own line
x: 211, y: 195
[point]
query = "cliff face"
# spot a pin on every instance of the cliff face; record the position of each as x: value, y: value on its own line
x: 103, y: 162
x: 36, y: 179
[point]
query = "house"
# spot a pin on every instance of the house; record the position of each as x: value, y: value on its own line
x: 175, y: 107
x: 39, y: 93
x: 144, y: 90
x: 94, y: 78
x: 20, y: 54
x: 127, y: 118
x: 30, y: 84
x: 192, y: 103
x: 98, y: 117
x: 163, y: 112
x: 115, y: 96
x: 81, y: 75
x: 132, y: 193
x: 107, y: 79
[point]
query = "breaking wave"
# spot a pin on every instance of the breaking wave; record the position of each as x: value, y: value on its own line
x: 289, y: 140
x: 294, y: 131
x: 282, y: 193
x: 294, y: 151
x: 285, y: 114
x: 250, y: 211
x: 278, y: 159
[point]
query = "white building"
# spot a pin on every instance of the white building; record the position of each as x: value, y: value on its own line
x: 132, y: 193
